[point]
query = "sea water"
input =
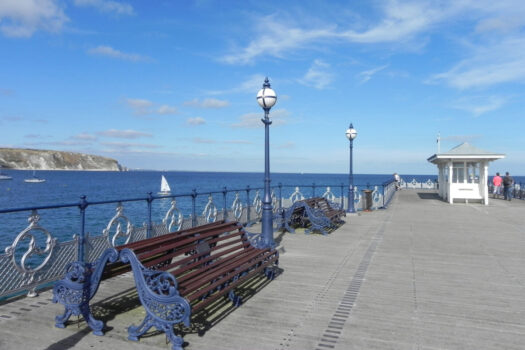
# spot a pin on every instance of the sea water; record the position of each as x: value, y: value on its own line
x: 66, y: 187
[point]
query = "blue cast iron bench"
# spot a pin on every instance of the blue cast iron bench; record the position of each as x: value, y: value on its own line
x: 176, y: 276
x: 314, y: 214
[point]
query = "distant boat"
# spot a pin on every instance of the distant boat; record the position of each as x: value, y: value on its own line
x: 4, y: 176
x: 164, y: 186
x: 34, y: 179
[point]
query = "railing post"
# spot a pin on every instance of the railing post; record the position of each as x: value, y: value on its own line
x: 82, y: 239
x: 225, y: 209
x: 193, y: 208
x: 149, y: 200
x: 280, y: 195
x: 248, y: 204
x: 313, y: 189
x: 383, y: 195
x: 342, y: 195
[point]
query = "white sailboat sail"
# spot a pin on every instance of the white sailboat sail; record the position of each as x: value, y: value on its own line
x: 164, y: 186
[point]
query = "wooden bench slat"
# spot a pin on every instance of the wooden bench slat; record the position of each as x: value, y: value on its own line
x: 199, y: 305
x: 227, y: 274
x: 199, y: 276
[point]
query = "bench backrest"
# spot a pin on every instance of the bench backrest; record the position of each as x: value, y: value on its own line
x: 193, y: 250
x: 151, y: 248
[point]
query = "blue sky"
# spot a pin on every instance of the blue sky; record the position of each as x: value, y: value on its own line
x: 171, y: 85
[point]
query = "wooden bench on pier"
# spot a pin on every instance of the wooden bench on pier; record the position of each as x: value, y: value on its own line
x: 179, y: 274
x: 332, y: 213
x: 314, y: 214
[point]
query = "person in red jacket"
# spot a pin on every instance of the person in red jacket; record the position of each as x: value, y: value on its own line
x: 496, y: 181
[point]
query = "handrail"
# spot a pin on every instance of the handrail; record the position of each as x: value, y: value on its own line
x: 39, y: 252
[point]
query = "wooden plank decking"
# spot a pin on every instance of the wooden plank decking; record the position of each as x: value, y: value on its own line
x: 422, y: 274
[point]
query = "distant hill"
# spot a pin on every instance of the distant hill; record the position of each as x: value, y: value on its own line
x: 31, y: 159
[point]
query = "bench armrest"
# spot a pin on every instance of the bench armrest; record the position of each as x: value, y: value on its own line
x: 158, y: 293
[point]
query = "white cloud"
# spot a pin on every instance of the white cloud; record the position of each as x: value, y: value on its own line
x: 402, y: 21
x: 461, y: 138
x: 22, y: 18
x: 239, y: 142
x: 126, y: 146
x: 124, y: 134
x: 139, y: 106
x: 399, y: 22
x: 143, y: 107
x: 36, y: 136
x: 275, y: 38
x: 84, y: 137
x: 367, y: 74
x: 108, y: 51
x: 249, y: 86
x: 139, y: 103
x: 165, y: 109
x: 287, y: 145
x: 318, y: 75
x: 201, y: 140
x: 253, y: 120
x: 195, y: 121
x: 479, y: 105
x: 490, y: 64
x: 207, y: 103
x: 249, y: 121
x: 107, y: 6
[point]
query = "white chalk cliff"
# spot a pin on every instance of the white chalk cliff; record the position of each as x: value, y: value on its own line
x: 32, y: 159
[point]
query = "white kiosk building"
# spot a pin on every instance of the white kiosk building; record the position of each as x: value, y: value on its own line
x: 463, y: 173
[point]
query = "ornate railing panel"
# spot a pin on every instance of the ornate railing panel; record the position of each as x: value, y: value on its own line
x: 414, y: 184
x: 14, y: 279
x: 296, y: 196
x: 38, y: 255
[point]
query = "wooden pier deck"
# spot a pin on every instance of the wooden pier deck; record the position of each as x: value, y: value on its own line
x: 422, y: 274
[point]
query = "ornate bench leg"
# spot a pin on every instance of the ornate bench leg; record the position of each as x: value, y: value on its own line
x: 77, y: 288
x: 74, y: 293
x: 160, y: 298
x: 269, y: 272
x: 135, y: 332
x: 235, y: 299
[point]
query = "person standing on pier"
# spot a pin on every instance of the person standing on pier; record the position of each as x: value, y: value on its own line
x: 496, y: 181
x: 397, y: 180
x: 508, y: 182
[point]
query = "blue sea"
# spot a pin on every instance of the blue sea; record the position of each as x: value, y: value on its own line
x: 66, y: 187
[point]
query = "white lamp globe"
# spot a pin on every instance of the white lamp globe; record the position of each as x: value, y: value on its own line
x: 351, y: 133
x: 266, y: 97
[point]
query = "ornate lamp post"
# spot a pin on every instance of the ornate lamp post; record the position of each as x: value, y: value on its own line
x: 266, y: 98
x: 351, y: 134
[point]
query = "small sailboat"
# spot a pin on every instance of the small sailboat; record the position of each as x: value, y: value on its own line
x: 164, y: 186
x: 4, y: 176
x: 34, y: 179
